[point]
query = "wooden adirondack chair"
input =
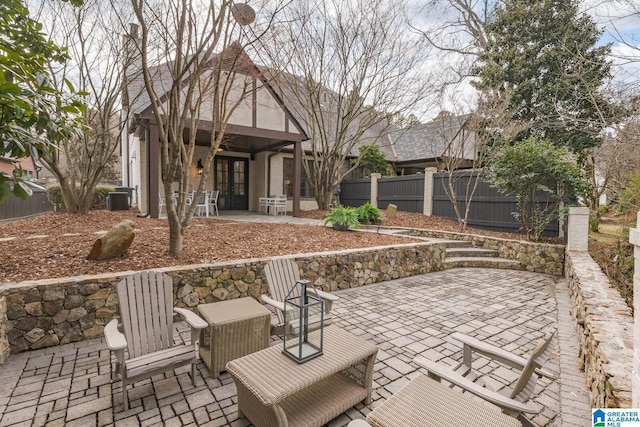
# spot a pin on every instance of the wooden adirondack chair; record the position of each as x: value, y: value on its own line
x: 146, y: 314
x: 282, y: 274
x: 411, y: 404
x: 510, y: 400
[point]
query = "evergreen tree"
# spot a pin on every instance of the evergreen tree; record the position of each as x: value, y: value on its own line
x: 542, y: 63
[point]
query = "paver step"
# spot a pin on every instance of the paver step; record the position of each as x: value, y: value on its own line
x: 482, y: 262
x: 471, y: 252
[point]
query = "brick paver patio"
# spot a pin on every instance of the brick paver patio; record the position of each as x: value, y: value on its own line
x: 70, y: 385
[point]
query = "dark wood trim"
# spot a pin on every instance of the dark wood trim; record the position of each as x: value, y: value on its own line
x: 232, y: 129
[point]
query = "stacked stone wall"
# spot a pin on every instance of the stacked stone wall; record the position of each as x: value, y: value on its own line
x: 4, y: 341
x: 605, y: 330
x: 535, y: 257
x: 47, y: 313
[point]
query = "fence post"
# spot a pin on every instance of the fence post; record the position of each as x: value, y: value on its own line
x: 578, y: 235
x: 427, y: 207
x: 634, y: 239
x: 374, y: 189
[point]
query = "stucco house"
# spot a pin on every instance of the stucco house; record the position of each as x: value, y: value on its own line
x: 257, y: 158
x: 264, y: 145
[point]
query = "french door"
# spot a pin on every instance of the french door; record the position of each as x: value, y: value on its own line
x: 232, y: 180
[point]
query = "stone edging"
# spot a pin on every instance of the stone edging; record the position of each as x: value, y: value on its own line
x: 605, y: 330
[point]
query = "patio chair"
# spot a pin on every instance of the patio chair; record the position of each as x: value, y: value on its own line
x: 282, y: 274
x: 280, y: 205
x: 146, y: 305
x: 510, y: 400
x: 213, y: 201
x: 203, y: 203
x: 161, y: 203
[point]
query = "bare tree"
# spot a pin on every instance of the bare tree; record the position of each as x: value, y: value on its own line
x: 195, y: 72
x: 347, y: 67
x: 470, y: 139
x: 95, y: 68
x: 455, y: 30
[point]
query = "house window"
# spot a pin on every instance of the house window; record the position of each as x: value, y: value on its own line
x: 305, y: 188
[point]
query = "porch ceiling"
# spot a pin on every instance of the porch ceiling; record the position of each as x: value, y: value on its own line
x: 247, y: 139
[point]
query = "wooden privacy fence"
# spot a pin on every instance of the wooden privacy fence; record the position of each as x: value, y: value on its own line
x: 427, y: 194
x: 15, y: 207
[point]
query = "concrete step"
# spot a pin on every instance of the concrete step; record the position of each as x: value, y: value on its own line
x: 471, y: 252
x: 457, y: 244
x: 482, y: 262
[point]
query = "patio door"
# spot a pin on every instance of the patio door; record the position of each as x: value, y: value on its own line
x: 232, y: 180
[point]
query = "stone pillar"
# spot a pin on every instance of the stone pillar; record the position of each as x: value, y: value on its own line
x: 4, y: 341
x: 374, y: 188
x: 634, y: 238
x: 578, y: 234
x: 427, y: 207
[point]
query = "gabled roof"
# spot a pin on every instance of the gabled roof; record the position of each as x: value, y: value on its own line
x: 234, y: 56
x: 427, y: 141
x: 284, y: 83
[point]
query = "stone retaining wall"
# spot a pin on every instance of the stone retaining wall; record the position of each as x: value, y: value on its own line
x: 4, y: 341
x: 536, y: 257
x: 605, y: 330
x: 46, y: 313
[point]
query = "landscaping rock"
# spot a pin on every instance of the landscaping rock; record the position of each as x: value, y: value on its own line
x: 115, y: 242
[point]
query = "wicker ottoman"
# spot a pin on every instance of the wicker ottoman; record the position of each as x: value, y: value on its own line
x: 236, y: 328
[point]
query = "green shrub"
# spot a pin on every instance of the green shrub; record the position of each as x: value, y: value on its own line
x: 100, y: 196
x: 369, y: 214
x: 98, y: 202
x: 629, y: 199
x: 594, y: 218
x: 342, y: 218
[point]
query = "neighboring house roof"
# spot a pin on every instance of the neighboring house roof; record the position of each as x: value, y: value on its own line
x: 430, y: 140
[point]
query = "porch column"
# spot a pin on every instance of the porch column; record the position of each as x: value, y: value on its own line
x: 153, y: 162
x: 297, y: 176
x: 634, y: 238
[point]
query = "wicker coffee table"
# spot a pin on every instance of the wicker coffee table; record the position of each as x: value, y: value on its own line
x: 236, y: 327
x: 273, y: 390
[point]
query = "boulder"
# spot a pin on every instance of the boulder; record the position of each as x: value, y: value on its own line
x: 391, y: 211
x: 115, y: 242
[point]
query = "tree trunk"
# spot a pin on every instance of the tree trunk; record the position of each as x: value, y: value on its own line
x: 68, y: 195
x: 176, y: 236
x: 323, y: 198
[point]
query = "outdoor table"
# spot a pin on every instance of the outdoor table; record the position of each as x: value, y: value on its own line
x: 236, y: 327
x: 273, y: 390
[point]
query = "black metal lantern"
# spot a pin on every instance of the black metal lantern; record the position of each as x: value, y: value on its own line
x: 303, y: 322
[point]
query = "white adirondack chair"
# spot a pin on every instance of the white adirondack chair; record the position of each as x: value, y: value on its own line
x: 282, y: 274
x: 146, y: 314
x: 511, y: 400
